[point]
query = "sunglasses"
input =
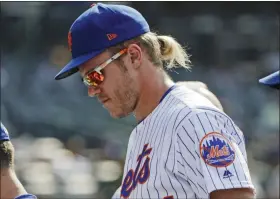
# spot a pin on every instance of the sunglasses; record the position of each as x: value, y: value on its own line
x: 95, y: 77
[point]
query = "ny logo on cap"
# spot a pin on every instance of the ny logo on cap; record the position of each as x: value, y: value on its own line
x: 111, y: 36
x: 70, y: 41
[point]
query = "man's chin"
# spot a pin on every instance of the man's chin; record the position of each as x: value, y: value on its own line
x: 115, y: 116
x: 118, y: 115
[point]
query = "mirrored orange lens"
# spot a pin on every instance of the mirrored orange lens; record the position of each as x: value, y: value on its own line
x: 94, y: 78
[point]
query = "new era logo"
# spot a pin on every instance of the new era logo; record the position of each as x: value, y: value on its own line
x: 227, y: 174
x: 111, y: 36
x: 70, y: 41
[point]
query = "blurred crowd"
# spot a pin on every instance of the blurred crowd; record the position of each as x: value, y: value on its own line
x: 67, y: 146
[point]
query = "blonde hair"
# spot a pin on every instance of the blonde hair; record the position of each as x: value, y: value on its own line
x: 162, y: 50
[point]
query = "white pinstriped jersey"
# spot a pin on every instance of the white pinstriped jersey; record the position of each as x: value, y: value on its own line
x: 186, y: 148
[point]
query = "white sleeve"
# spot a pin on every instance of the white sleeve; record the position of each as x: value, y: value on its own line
x: 211, y: 153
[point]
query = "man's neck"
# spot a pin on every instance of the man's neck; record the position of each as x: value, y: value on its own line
x: 151, y: 93
x: 10, y: 185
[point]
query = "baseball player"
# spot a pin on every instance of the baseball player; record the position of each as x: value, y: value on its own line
x: 183, y: 146
x: 11, y: 188
x: 272, y: 80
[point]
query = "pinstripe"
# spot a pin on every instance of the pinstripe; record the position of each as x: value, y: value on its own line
x: 186, y: 146
x: 187, y: 163
x: 158, y: 123
x: 226, y: 167
x: 238, y: 161
x: 159, y: 119
x: 182, y: 120
x: 215, y: 111
x: 156, y: 119
x: 161, y: 137
x: 175, y: 150
x: 209, y: 122
x: 165, y: 131
x: 138, y: 152
x: 217, y: 120
x: 146, y: 126
x: 146, y: 133
x: 180, y: 163
x: 188, y: 134
x: 230, y: 178
x: 199, y: 173
x: 190, y: 185
x: 206, y: 165
x: 234, y: 164
x: 191, y: 140
x: 233, y: 126
x: 130, y: 159
x: 193, y: 183
x: 150, y: 133
x: 194, y: 130
x: 237, y: 174
x: 220, y: 113
x: 135, y: 156
x: 243, y: 171
x: 213, y: 131
x: 202, y: 188
x: 181, y: 173
x: 153, y: 143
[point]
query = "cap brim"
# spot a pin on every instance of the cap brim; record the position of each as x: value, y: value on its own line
x: 271, y: 80
x: 72, y: 66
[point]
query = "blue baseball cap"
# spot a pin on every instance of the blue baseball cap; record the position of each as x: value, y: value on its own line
x: 98, y: 28
x: 4, y: 135
x: 271, y: 80
x: 26, y: 196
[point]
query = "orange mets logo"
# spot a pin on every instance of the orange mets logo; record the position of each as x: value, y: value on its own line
x: 70, y: 41
x: 216, y: 150
x: 140, y: 175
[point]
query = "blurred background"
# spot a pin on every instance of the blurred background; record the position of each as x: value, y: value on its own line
x: 67, y: 146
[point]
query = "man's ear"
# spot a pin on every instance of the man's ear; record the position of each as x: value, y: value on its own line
x: 135, y: 54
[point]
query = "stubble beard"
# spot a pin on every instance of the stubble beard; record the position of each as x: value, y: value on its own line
x: 127, y: 97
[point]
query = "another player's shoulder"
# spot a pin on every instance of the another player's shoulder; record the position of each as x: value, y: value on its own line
x: 191, y: 98
x: 181, y: 103
x: 184, y: 101
x: 190, y: 105
x: 26, y: 196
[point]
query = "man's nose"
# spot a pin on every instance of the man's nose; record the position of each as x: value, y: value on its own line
x: 93, y: 91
